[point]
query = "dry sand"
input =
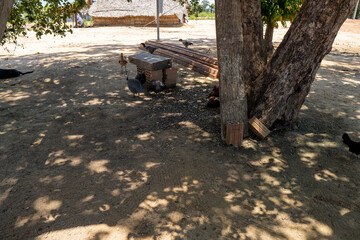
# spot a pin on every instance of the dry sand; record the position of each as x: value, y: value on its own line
x: 82, y: 159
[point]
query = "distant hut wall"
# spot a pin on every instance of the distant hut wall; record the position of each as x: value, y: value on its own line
x: 171, y: 20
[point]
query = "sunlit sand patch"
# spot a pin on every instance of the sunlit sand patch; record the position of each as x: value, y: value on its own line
x: 63, y: 160
x: 44, y: 205
x: 133, y: 180
x: 176, y: 216
x: 150, y: 203
x: 4, y: 195
x: 165, y: 115
x: 48, y: 179
x: 10, y: 96
x: 233, y: 196
x: 149, y: 165
x: 344, y: 211
x: 98, y: 166
x: 308, y: 158
x: 96, y: 231
x: 10, y: 181
x: 45, y: 208
x: 95, y: 101
x: 145, y: 136
x: 45, y: 92
x: 88, y: 198
x: 74, y: 137
x: 326, y: 176
x: 116, y: 192
x: 268, y: 179
x: 104, y: 208
x: 287, y: 229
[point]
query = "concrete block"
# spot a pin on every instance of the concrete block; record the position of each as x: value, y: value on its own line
x: 258, y: 128
x: 153, y: 75
x: 170, y: 77
x: 140, y: 70
x: 150, y: 62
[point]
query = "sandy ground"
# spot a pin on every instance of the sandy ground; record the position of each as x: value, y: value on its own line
x: 82, y: 159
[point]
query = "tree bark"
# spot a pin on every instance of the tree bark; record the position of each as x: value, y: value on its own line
x: 229, y: 38
x: 5, y: 10
x: 254, y: 50
x: 269, y: 32
x: 288, y: 76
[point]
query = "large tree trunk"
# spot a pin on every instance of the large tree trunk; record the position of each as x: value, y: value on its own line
x: 286, y: 81
x: 254, y: 48
x: 229, y: 38
x: 5, y: 10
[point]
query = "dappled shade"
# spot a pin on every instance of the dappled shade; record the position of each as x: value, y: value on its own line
x: 81, y: 158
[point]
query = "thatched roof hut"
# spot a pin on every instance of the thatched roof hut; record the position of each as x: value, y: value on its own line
x: 136, y: 13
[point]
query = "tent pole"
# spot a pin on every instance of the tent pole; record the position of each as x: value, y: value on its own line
x: 157, y: 19
x: 355, y: 10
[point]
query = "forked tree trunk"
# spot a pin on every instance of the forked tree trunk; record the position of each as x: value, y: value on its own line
x: 5, y: 10
x: 286, y: 81
x: 229, y: 38
x: 254, y: 48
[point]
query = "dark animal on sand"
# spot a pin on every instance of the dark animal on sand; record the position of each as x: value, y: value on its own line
x: 141, y: 77
x: 185, y: 43
x: 213, y: 102
x: 11, y: 73
x: 150, y: 49
x: 134, y: 85
x: 354, y: 147
x: 156, y: 86
x: 215, y: 92
x: 213, y: 98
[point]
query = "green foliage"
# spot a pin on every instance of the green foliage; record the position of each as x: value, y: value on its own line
x: 204, y: 5
x: 203, y: 10
x: 89, y: 23
x: 42, y: 17
x: 212, y: 8
x: 202, y: 16
x: 194, y: 8
x: 279, y: 10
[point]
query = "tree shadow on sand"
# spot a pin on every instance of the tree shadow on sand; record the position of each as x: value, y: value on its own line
x: 82, y: 158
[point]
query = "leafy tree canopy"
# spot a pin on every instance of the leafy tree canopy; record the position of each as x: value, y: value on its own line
x: 204, y: 5
x: 194, y: 8
x: 212, y: 8
x: 279, y: 10
x: 43, y: 17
